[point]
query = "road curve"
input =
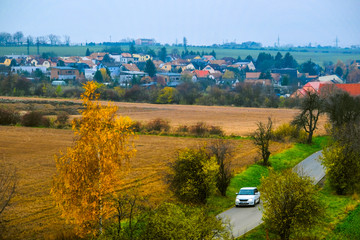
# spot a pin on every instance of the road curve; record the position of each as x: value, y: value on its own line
x: 244, y: 219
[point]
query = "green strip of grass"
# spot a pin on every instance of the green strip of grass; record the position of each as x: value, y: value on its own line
x: 252, y: 175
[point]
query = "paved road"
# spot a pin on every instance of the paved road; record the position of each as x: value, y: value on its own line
x: 244, y: 219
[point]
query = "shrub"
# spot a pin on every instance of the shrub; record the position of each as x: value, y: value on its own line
x: 182, y: 129
x: 62, y: 119
x: 158, y: 125
x: 216, y: 130
x: 32, y: 119
x: 8, y: 117
x: 137, y: 126
x: 199, y: 129
x: 46, y: 122
x: 288, y: 132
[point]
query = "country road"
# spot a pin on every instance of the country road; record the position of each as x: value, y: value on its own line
x: 245, y: 219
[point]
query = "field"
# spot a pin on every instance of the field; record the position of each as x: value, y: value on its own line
x: 317, y: 55
x: 32, y: 214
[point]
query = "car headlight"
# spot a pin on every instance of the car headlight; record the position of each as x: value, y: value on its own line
x: 237, y: 200
x: 251, y: 199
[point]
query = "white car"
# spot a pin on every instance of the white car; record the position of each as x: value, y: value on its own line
x: 247, y: 196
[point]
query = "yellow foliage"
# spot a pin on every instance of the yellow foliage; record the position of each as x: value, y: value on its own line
x: 88, y: 172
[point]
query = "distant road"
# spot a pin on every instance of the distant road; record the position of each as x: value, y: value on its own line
x: 245, y: 219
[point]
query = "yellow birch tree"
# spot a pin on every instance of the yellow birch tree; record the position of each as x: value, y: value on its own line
x: 89, y: 171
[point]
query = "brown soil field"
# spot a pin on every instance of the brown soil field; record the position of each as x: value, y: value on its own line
x: 32, y: 213
x: 233, y: 120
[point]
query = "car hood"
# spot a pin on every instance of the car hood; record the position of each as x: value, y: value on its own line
x: 245, y: 196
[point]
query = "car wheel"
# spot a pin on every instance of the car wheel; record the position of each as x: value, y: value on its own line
x: 259, y: 201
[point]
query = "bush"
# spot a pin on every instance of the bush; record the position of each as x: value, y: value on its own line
x: 8, y: 117
x: 62, y: 119
x: 182, y: 129
x: 32, y: 119
x: 137, y: 126
x: 288, y: 132
x: 158, y: 125
x: 216, y: 130
x: 199, y: 129
x: 72, y: 93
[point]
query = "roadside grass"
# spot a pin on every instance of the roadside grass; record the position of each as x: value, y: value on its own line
x: 252, y: 175
x: 333, y: 226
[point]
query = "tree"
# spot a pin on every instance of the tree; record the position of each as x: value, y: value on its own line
x: 88, y: 53
x: 193, y: 175
x: 223, y: 151
x: 106, y: 58
x: 18, y: 37
x: 185, y: 44
x: 262, y: 137
x: 89, y: 171
x: 166, y: 95
x: 289, y: 61
x: 98, y: 76
x: 354, y: 74
x: 5, y: 38
x: 312, y: 106
x: 229, y: 75
x: 342, y: 158
x: 150, y: 68
x: 213, y: 53
x: 132, y: 48
x: 54, y: 40
x: 342, y: 108
x: 162, y: 54
x: 309, y: 67
x: 291, y: 204
x: 67, y: 40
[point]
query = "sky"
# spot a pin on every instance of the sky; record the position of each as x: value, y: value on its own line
x: 202, y: 22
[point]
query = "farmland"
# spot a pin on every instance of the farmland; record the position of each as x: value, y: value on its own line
x: 32, y: 213
x: 317, y: 55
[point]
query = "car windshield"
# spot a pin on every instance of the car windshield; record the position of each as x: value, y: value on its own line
x: 246, y: 192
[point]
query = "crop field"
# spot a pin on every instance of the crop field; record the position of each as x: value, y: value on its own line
x: 317, y: 55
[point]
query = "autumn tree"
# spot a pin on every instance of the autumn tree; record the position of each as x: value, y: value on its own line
x: 311, y: 108
x: 193, y: 175
x: 291, y: 203
x: 167, y: 95
x: 262, y: 137
x: 89, y: 171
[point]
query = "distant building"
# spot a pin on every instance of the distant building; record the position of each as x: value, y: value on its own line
x: 63, y: 73
x: 144, y: 42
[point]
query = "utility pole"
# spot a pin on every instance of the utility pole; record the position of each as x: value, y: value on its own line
x: 337, y: 42
x: 278, y: 41
x: 37, y: 46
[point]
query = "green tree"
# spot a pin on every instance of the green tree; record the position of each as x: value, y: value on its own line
x: 289, y: 61
x: 162, y: 54
x: 309, y: 67
x: 98, y: 77
x: 88, y: 53
x: 132, y: 49
x: 107, y: 58
x: 291, y: 204
x: 90, y: 170
x: 312, y: 106
x: 166, y: 95
x: 150, y: 68
x: 262, y: 137
x: 193, y: 175
x: 342, y: 158
x: 213, y: 53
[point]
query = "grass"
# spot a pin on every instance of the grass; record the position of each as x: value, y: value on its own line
x: 252, y: 175
x: 317, y: 55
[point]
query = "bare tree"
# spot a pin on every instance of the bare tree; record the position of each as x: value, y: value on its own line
x: 67, y: 40
x: 18, y: 37
x: 54, y: 39
x: 5, y: 38
x: 223, y: 150
x: 311, y: 108
x: 262, y: 137
x: 7, y: 185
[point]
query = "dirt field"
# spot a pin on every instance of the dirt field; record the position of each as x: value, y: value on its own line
x: 32, y: 214
x: 233, y: 120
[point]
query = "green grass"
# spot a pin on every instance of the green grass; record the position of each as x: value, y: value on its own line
x: 317, y: 55
x: 252, y: 175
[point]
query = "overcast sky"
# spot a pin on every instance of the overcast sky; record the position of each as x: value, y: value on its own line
x: 202, y: 22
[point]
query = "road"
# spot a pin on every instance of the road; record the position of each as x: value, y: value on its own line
x: 245, y: 219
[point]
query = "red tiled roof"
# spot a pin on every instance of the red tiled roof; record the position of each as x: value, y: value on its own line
x: 253, y: 75
x: 352, y: 88
x: 201, y: 73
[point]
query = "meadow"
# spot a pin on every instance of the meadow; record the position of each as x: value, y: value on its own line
x: 317, y: 55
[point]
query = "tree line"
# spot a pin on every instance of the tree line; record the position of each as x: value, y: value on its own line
x: 18, y: 39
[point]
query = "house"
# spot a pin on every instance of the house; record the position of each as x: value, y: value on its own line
x: 326, y: 88
x: 190, y: 67
x: 63, y: 73
x: 140, y: 57
x: 330, y: 78
x: 130, y: 67
x: 165, y: 67
x: 292, y: 73
x: 352, y: 88
x: 242, y: 65
x: 126, y: 58
x: 98, y: 56
x: 90, y: 73
x: 5, y: 61
x: 264, y: 82
x: 208, y: 57
x: 126, y: 77
x: 171, y: 79
x: 219, y: 62
x: 114, y: 68
x: 43, y: 63
x: 229, y: 60
x: 29, y: 69
x: 212, y: 68
x: 157, y: 63
x: 200, y: 74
